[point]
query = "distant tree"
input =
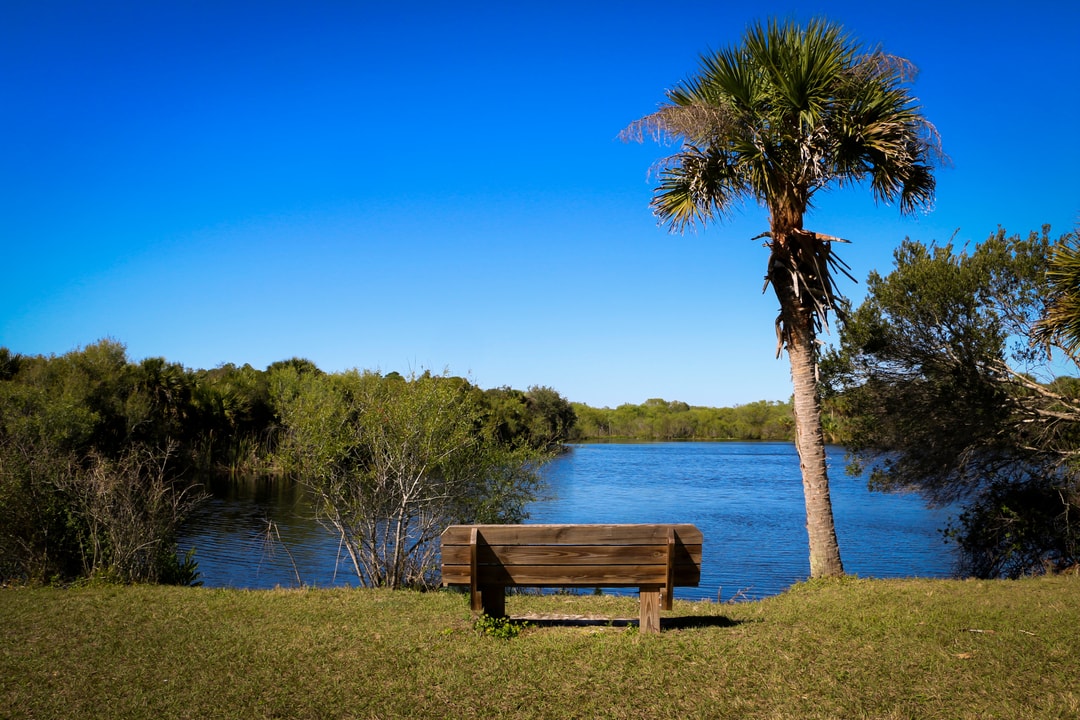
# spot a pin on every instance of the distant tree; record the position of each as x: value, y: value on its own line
x: 539, y: 418
x: 658, y: 419
x: 591, y: 423
x: 392, y: 461
x: 549, y: 416
x: 9, y: 363
x: 506, y: 415
x: 631, y: 421
x: 788, y: 112
x: 301, y: 365
x: 160, y: 407
x: 939, y: 388
x: 237, y: 423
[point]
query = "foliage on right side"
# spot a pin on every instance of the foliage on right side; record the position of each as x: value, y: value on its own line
x: 954, y: 379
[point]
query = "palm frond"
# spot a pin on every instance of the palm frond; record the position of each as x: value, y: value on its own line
x: 1061, y: 324
x: 695, y: 186
x: 696, y: 123
x: 789, y: 111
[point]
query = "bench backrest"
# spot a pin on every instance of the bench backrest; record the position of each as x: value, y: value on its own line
x: 572, y: 555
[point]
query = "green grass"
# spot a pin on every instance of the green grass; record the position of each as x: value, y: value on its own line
x: 838, y: 649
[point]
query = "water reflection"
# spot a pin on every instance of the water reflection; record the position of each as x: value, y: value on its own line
x: 745, y: 497
x: 261, y: 533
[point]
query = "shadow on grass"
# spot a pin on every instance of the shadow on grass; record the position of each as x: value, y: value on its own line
x: 698, y: 621
x: 674, y: 623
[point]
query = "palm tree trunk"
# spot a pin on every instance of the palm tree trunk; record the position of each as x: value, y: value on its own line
x: 810, y: 442
x: 797, y: 322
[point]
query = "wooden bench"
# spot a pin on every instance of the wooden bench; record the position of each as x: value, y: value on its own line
x: 654, y: 558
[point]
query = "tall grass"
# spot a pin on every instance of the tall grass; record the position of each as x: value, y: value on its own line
x: 837, y: 649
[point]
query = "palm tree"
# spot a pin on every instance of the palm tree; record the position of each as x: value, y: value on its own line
x: 1060, y: 325
x: 790, y: 111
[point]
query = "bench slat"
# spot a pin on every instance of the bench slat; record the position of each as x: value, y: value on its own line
x: 569, y: 554
x: 638, y: 534
x: 579, y: 575
x: 560, y: 575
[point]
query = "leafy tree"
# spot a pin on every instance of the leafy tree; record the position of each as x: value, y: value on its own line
x: 77, y: 493
x: 789, y: 112
x: 160, y: 407
x: 392, y: 461
x: 505, y: 418
x: 9, y: 363
x: 591, y: 422
x: 238, y: 422
x: 939, y: 388
x: 539, y: 418
x: 549, y: 418
x: 302, y: 365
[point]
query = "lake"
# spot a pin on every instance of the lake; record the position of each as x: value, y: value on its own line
x: 745, y: 497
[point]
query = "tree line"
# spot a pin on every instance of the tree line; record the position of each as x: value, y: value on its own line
x: 101, y: 458
x: 658, y: 419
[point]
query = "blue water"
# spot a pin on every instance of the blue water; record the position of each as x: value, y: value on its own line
x: 745, y: 497
x: 747, y: 500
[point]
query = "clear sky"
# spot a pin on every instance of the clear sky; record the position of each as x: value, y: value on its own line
x: 410, y: 186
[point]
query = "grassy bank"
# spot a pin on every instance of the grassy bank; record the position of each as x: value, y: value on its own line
x: 845, y: 649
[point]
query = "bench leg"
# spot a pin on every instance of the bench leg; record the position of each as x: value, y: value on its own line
x: 650, y: 610
x: 492, y: 601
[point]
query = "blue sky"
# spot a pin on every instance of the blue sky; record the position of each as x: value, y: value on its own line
x: 440, y: 186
